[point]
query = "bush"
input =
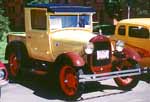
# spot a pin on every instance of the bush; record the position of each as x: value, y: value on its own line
x: 4, y: 23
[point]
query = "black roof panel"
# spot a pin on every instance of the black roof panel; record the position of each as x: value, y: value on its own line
x: 63, y: 8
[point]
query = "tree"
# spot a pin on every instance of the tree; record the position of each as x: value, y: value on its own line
x: 141, y: 8
x: 4, y: 22
x: 136, y: 8
x: 113, y: 8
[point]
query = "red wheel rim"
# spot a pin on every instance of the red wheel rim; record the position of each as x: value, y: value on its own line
x: 13, y: 65
x: 124, y: 81
x: 68, y: 80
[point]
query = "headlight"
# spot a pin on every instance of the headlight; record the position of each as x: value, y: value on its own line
x: 2, y: 74
x: 119, y: 45
x: 89, y: 48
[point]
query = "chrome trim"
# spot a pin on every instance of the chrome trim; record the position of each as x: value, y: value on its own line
x: 109, y: 75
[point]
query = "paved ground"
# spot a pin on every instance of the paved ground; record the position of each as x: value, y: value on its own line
x: 31, y: 90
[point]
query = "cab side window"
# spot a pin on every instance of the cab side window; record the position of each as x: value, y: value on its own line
x: 38, y: 19
x: 138, y: 32
x: 121, y: 30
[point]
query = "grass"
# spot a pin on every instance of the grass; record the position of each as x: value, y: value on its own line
x: 2, y: 50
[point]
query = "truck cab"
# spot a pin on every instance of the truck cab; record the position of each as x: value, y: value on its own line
x: 58, y: 29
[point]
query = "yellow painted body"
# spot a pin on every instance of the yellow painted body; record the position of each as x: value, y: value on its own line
x: 69, y: 41
x: 47, y: 44
x: 141, y: 45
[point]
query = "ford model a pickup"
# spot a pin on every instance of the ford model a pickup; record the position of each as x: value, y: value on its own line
x: 59, y: 43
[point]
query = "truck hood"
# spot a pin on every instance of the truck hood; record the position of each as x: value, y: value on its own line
x: 70, y: 41
x: 78, y: 36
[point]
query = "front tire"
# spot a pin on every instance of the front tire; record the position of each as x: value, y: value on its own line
x: 67, y: 81
x: 128, y: 82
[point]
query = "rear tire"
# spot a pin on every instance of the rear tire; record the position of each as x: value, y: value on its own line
x: 18, y: 58
x: 128, y: 82
x: 14, y: 65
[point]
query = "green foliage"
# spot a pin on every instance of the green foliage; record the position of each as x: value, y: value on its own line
x: 113, y: 8
x: 4, y: 23
x: 39, y: 1
x: 141, y: 8
x: 2, y: 50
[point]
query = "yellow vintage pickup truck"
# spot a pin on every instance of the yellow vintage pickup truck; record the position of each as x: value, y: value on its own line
x: 58, y: 42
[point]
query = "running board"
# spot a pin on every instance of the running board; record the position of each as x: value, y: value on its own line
x: 110, y: 75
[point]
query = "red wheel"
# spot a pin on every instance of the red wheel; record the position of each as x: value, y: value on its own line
x: 127, y: 82
x: 13, y: 65
x: 68, y: 80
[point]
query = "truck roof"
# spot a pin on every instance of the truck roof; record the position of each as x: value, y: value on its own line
x: 63, y: 8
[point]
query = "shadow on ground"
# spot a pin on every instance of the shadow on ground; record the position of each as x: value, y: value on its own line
x: 41, y: 86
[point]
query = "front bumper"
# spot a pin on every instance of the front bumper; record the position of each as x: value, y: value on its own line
x: 3, y: 82
x: 115, y: 74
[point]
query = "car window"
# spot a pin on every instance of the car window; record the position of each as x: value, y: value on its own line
x: 38, y: 19
x: 138, y: 32
x: 121, y: 30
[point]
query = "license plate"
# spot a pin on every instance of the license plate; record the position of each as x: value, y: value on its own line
x: 102, y: 54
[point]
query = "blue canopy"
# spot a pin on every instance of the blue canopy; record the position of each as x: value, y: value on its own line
x: 63, y: 8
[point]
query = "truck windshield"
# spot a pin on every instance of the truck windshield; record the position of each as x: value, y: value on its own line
x: 62, y: 21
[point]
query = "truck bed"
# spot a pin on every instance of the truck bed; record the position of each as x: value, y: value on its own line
x: 19, y: 36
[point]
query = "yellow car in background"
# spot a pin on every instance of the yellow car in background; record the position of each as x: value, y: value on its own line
x: 135, y: 33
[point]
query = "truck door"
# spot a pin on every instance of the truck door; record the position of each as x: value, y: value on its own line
x: 37, y: 37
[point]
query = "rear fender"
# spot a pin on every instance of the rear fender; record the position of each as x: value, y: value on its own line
x: 131, y: 53
x: 75, y: 59
x: 12, y: 46
x: 16, y: 46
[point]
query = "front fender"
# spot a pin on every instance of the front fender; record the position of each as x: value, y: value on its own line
x: 75, y: 59
x: 16, y: 46
x: 131, y: 53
